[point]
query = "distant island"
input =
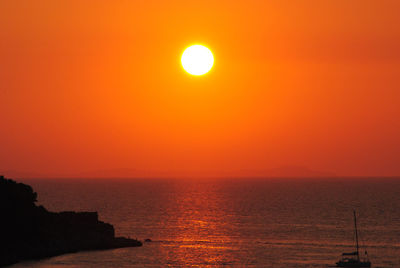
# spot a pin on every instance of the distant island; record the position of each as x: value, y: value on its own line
x: 29, y: 231
x: 297, y: 172
x: 287, y: 171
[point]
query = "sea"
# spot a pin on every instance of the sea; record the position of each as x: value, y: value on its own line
x: 280, y: 223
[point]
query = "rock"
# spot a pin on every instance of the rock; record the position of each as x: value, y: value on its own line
x: 29, y: 231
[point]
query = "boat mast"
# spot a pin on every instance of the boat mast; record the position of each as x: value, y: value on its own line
x: 355, y: 227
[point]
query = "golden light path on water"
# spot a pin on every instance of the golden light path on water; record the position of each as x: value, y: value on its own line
x: 205, y: 229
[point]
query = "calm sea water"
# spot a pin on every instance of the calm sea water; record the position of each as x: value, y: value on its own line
x: 242, y: 223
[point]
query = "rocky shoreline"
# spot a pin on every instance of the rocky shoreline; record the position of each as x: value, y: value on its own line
x: 29, y: 231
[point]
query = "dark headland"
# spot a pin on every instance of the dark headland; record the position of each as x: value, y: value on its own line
x: 29, y: 231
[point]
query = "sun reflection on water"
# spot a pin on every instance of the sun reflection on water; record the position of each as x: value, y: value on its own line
x: 203, y: 228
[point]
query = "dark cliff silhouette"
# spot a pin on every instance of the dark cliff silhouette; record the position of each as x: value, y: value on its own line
x: 28, y: 231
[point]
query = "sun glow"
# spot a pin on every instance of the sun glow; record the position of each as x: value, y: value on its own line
x: 197, y: 60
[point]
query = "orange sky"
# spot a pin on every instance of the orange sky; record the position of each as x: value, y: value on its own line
x: 97, y: 85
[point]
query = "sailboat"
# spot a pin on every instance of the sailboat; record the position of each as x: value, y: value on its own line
x: 353, y: 259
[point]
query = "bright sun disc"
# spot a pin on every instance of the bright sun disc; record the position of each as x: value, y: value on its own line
x: 197, y: 60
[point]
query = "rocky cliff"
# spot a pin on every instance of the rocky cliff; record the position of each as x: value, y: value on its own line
x: 29, y: 231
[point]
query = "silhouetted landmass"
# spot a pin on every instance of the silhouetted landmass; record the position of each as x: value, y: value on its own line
x: 296, y: 171
x: 28, y: 231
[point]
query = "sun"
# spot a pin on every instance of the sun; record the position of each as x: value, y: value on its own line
x: 197, y: 60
